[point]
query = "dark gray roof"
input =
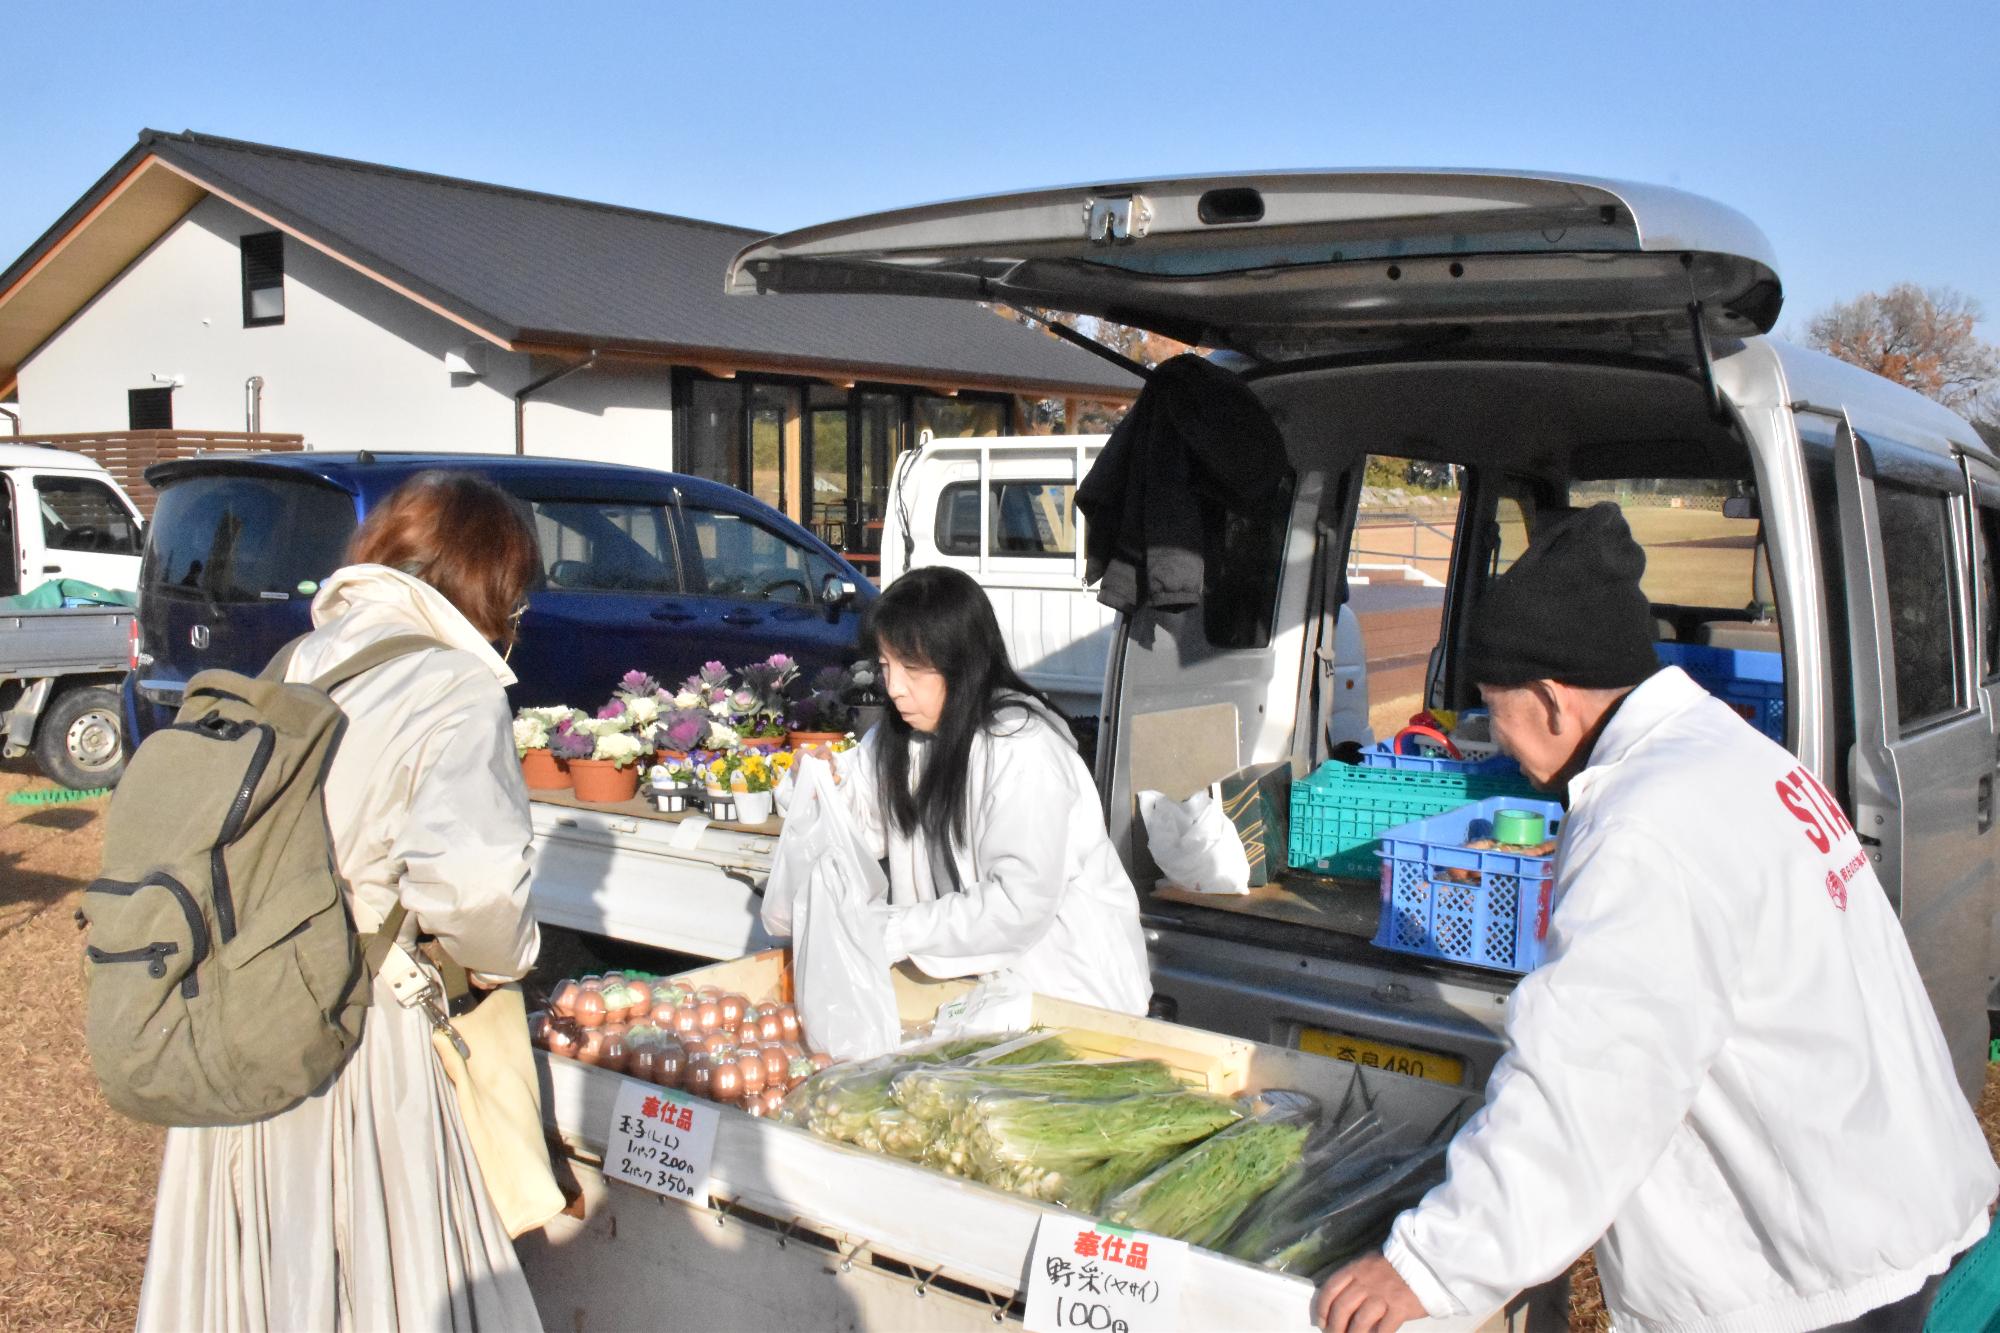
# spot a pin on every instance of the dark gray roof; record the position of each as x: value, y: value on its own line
x: 539, y: 268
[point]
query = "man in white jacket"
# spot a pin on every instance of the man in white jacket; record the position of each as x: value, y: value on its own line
x: 1726, y: 1073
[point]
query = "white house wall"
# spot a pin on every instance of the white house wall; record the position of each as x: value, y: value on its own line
x: 354, y: 365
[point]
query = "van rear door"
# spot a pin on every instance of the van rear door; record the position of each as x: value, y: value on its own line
x: 1921, y: 772
x: 1286, y: 266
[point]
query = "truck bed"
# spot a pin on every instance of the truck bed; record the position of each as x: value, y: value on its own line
x: 66, y: 641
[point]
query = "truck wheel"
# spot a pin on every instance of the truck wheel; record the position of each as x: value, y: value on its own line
x: 76, y: 741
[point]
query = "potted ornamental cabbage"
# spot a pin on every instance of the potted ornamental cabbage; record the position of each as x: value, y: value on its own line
x: 611, y: 773
x: 542, y: 769
x: 820, y: 713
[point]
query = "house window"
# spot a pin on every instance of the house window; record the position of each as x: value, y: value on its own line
x: 150, y: 409
x: 263, y: 279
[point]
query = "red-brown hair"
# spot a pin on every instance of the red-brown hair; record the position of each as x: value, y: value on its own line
x: 462, y: 535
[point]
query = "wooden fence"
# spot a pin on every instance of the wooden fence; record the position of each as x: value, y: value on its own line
x: 126, y: 454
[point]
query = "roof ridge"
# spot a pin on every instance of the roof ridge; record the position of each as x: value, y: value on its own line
x: 150, y: 137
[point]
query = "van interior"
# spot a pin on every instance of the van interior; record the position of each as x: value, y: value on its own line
x: 1418, y: 483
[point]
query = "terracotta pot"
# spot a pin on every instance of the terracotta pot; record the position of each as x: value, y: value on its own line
x: 542, y: 771
x: 603, y: 782
x: 764, y: 744
x: 798, y: 740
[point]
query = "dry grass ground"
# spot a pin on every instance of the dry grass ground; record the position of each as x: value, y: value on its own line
x: 76, y: 1179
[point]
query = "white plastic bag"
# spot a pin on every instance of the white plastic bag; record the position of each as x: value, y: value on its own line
x: 1194, y: 843
x: 1001, y: 1002
x: 824, y: 891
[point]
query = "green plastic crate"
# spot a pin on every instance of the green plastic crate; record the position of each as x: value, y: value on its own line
x: 1339, y: 813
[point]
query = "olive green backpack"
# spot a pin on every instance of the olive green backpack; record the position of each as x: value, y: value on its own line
x: 226, y: 978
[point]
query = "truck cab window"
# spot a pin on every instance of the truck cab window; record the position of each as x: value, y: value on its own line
x: 1024, y: 518
x: 82, y: 515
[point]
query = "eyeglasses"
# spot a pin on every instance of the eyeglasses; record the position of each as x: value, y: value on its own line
x: 514, y: 628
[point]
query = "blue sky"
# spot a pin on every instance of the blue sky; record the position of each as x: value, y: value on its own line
x: 1864, y: 139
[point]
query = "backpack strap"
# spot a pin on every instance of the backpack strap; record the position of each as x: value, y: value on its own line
x: 374, y: 655
x: 375, y: 948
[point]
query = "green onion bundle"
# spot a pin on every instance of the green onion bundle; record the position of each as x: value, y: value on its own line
x: 1199, y: 1195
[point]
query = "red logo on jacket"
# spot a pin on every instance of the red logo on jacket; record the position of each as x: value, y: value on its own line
x: 1836, y: 890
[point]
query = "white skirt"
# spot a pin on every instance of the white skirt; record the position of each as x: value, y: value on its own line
x: 361, y: 1208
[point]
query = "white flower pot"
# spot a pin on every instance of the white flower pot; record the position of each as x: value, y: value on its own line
x: 753, y: 807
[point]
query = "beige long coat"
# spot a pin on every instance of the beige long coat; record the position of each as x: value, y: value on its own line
x: 362, y: 1208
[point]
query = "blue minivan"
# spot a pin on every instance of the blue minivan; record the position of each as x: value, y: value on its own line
x: 640, y: 569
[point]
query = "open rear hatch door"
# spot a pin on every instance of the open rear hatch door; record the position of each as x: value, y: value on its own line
x: 1292, y: 265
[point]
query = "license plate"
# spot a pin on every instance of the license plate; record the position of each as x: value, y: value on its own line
x: 1381, y: 1055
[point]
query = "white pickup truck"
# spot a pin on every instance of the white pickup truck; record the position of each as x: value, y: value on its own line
x: 1025, y: 547
x: 62, y: 517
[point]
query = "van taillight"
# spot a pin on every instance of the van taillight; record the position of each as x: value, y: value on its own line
x: 132, y: 637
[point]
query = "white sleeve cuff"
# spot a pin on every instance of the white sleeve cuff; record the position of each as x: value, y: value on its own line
x: 892, y: 933
x: 1437, y: 1301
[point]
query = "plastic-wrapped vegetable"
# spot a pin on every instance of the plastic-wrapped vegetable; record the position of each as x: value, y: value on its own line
x: 846, y: 1102
x: 938, y: 1093
x: 1199, y: 1195
x: 1326, y: 1219
x: 1065, y: 1150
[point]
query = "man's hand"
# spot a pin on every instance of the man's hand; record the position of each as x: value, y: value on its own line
x: 1367, y: 1296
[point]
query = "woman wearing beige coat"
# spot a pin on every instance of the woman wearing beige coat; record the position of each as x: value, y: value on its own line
x: 362, y: 1207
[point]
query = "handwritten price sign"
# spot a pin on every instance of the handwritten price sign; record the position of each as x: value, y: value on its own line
x: 662, y: 1141
x: 1094, y: 1276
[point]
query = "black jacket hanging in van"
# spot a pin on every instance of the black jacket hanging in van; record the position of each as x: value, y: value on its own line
x: 1196, y: 445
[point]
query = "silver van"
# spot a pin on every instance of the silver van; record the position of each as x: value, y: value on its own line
x: 1472, y: 353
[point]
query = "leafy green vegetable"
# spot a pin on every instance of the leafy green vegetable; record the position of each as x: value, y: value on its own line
x: 1199, y: 1195
x: 940, y: 1093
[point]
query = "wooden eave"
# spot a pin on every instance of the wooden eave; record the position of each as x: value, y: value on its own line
x: 133, y: 213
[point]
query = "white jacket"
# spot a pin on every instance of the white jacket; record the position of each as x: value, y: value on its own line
x: 1044, y: 897
x: 425, y: 799
x: 1727, y: 1067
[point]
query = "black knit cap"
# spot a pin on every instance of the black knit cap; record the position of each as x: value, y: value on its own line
x: 1569, y: 610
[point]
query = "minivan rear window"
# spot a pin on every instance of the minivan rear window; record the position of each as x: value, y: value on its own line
x: 245, y: 538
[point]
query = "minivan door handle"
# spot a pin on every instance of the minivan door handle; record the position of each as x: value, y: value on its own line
x: 1985, y: 803
x: 677, y: 614
x: 741, y: 617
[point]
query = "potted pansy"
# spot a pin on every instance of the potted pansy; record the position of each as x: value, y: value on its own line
x: 611, y: 773
x: 717, y: 779
x: 673, y: 786
x: 751, y: 785
x: 541, y: 768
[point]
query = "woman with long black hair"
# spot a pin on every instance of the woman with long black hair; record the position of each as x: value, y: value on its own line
x: 972, y: 789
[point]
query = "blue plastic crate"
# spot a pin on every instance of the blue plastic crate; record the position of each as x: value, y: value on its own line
x: 1441, y: 899
x: 1383, y: 755
x: 1752, y: 683
x: 1339, y: 812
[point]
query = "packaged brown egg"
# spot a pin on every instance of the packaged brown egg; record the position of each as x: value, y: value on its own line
x: 670, y: 1063
x: 612, y: 1056
x: 708, y: 1013
x: 750, y: 1068
x: 590, y: 1008
x: 774, y: 1100
x: 776, y: 1064
x: 726, y: 1083
x: 699, y: 1075
x: 538, y: 1029
x: 591, y: 1049
x: 769, y: 1027
x: 732, y: 1006
x: 562, y: 1000
x: 788, y: 1019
